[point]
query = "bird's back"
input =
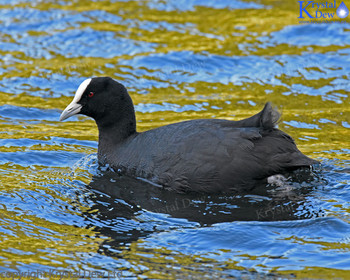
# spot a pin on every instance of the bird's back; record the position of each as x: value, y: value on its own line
x: 210, y: 155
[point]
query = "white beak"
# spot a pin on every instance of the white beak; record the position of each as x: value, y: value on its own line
x: 74, y: 108
x: 71, y: 110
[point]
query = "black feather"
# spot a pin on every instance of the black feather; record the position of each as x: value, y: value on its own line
x: 204, y: 155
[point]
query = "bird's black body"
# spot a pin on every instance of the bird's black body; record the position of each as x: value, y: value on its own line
x: 204, y: 155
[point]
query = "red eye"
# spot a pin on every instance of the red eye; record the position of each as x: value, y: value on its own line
x: 91, y: 94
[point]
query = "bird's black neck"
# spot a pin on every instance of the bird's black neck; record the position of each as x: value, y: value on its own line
x: 113, y: 132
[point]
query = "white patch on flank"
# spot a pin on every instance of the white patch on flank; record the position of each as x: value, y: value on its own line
x: 277, y: 180
x: 80, y: 90
x: 149, y: 182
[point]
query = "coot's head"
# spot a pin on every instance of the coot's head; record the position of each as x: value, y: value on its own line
x: 103, y: 99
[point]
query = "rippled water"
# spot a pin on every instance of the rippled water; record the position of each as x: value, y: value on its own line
x: 180, y: 60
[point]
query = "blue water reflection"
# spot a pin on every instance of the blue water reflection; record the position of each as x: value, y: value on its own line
x: 179, y: 60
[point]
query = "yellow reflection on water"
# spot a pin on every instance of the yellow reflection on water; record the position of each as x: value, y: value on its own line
x: 33, y: 240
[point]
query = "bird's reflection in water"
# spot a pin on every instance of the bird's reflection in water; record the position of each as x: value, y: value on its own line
x: 119, y: 203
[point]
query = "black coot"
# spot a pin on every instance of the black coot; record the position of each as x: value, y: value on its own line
x: 204, y: 155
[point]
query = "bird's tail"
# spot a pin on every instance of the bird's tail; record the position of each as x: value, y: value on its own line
x: 266, y: 118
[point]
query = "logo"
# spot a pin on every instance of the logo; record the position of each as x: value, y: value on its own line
x: 342, y: 10
x: 322, y: 10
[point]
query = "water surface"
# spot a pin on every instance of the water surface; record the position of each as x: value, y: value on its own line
x: 180, y: 60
